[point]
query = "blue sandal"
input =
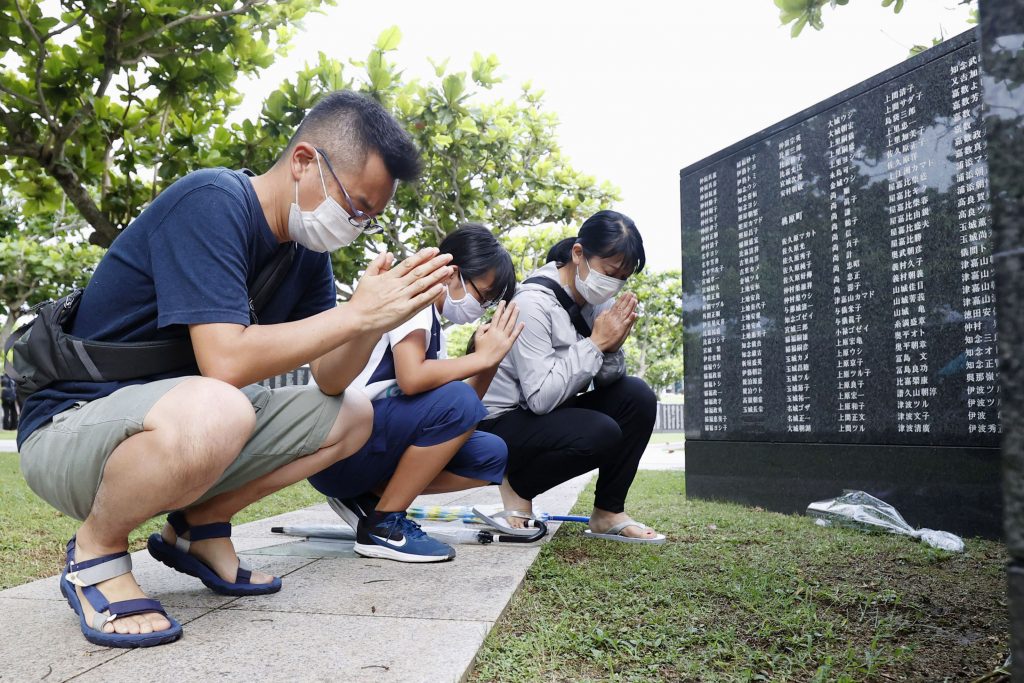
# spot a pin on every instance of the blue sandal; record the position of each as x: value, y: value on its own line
x: 176, y: 556
x: 86, y: 575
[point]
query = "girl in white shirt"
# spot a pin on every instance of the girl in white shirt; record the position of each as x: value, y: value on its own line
x: 424, y: 435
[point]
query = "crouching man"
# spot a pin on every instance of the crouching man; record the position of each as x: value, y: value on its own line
x: 205, y: 441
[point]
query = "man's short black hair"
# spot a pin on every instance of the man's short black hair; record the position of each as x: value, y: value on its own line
x: 349, y: 126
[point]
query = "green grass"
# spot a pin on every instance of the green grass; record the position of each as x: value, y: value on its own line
x: 667, y: 437
x: 8, y: 434
x: 33, y: 534
x: 740, y: 594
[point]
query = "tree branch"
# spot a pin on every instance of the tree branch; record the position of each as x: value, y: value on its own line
x: 111, y: 52
x: 396, y: 240
x: 248, y: 4
x: 22, y: 150
x: 24, y: 98
x: 342, y: 292
x: 158, y: 54
x: 111, y: 62
x: 458, y: 194
x: 61, y: 30
x: 40, y: 59
x: 72, y: 186
x: 156, y: 165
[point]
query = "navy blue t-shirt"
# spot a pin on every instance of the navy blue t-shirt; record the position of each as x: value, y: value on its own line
x: 189, y: 258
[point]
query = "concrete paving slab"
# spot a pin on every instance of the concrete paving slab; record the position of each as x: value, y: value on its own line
x: 274, y: 646
x: 664, y: 457
x: 42, y: 641
x: 475, y: 586
x: 335, y: 618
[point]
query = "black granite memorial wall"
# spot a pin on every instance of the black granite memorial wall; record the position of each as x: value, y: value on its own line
x: 839, y: 303
x: 1002, y: 38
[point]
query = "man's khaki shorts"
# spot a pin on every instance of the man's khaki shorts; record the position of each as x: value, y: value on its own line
x: 63, y: 461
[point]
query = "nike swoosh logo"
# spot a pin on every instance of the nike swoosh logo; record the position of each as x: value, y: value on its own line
x: 396, y: 544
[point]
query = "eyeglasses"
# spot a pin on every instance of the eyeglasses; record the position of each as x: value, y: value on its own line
x: 480, y: 297
x: 357, y: 218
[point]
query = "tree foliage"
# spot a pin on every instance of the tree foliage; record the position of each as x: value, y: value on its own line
x: 801, y: 13
x: 491, y: 161
x: 40, y: 261
x: 107, y: 102
x: 654, y: 350
x: 529, y: 248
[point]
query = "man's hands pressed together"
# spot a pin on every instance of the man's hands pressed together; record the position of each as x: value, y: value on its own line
x: 387, y: 296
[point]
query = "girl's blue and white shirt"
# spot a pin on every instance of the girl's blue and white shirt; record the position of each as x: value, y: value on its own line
x: 377, y: 380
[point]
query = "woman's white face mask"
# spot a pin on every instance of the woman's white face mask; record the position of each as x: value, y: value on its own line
x: 464, y: 310
x: 325, y: 228
x: 597, y: 287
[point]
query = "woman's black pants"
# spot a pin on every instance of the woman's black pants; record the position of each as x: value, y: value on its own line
x: 607, y: 428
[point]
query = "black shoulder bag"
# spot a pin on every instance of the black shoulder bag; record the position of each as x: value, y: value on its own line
x: 44, y: 352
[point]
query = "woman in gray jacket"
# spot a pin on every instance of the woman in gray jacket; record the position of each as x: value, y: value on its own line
x: 561, y: 399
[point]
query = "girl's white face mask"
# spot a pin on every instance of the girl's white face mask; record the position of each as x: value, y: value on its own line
x: 325, y: 228
x: 464, y: 310
x: 598, y: 287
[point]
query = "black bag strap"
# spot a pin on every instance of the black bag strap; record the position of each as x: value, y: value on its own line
x: 575, y: 315
x: 118, y: 361
x: 269, y: 279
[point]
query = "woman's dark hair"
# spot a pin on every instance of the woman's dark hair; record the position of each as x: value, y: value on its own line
x: 605, y: 234
x: 476, y: 251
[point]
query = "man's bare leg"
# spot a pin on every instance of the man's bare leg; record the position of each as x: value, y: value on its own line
x: 350, y: 431
x: 189, y: 437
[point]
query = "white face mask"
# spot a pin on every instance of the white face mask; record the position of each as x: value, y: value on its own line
x: 465, y: 310
x: 598, y: 287
x: 325, y: 228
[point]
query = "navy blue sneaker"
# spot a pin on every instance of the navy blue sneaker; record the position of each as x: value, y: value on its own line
x: 354, y: 510
x: 396, y: 537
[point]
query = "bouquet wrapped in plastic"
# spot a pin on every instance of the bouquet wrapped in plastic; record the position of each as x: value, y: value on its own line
x: 860, y: 510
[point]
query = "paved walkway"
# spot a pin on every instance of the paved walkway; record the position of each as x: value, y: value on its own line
x: 337, y: 618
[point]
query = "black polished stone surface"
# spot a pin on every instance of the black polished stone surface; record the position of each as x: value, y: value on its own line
x: 1002, y: 40
x: 954, y: 489
x: 1003, y: 63
x: 838, y: 285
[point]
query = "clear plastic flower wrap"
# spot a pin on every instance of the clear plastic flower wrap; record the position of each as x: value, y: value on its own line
x: 861, y: 510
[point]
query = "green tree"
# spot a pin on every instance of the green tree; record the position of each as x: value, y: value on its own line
x: 457, y: 337
x: 104, y: 108
x: 654, y: 350
x: 43, y: 261
x: 490, y: 161
x: 106, y: 102
x: 801, y: 13
x: 529, y: 247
